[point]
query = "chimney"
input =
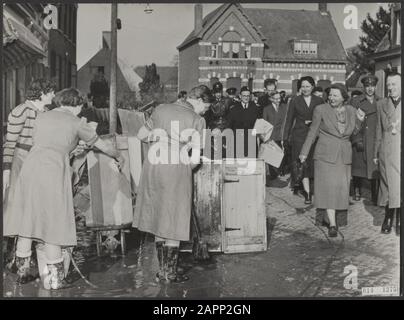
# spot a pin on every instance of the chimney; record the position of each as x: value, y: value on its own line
x: 322, y: 7
x: 198, y: 17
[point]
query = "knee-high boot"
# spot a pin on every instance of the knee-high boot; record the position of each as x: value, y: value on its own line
x: 374, y: 188
x: 55, y: 278
x: 171, y: 266
x: 23, y: 264
x: 161, y: 274
x: 398, y: 220
x: 388, y: 220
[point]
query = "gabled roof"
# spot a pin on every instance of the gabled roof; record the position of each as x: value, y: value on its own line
x: 278, y: 28
x: 281, y: 27
x: 131, y: 77
x: 205, y: 22
x: 168, y: 74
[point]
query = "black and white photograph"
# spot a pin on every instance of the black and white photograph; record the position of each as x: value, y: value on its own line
x: 197, y: 151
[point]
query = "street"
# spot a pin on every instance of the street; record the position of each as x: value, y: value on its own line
x: 301, y: 260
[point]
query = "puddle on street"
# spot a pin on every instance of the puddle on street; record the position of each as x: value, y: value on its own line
x: 295, y: 265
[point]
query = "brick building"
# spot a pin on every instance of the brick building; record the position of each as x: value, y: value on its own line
x: 240, y: 46
x: 30, y: 51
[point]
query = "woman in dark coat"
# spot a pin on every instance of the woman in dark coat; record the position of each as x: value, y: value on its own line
x: 300, y: 113
x: 333, y: 123
x: 363, y: 143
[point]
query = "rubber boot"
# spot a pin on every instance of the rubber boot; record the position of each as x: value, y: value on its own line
x: 171, y: 264
x: 374, y: 188
x: 388, y: 220
x: 357, y: 184
x: 160, y: 275
x: 23, y: 265
x: 398, y: 219
x: 55, y: 279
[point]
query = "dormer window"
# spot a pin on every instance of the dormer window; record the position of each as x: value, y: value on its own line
x: 305, y: 47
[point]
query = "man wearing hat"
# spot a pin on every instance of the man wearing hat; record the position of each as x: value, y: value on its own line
x: 242, y: 117
x: 363, y: 166
x: 232, y: 94
x: 216, y: 117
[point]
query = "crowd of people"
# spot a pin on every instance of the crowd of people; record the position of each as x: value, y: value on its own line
x: 332, y: 137
x: 333, y: 141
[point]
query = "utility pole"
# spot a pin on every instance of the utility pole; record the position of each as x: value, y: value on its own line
x: 114, y: 49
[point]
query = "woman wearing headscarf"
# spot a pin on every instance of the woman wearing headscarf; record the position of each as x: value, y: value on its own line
x: 164, y: 201
x: 298, y: 121
x: 333, y: 123
x: 41, y: 206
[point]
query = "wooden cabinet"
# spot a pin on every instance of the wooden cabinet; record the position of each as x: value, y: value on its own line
x: 110, y: 189
x: 207, y: 197
x: 229, y: 203
x: 243, y: 215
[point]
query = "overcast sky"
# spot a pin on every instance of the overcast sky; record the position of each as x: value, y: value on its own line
x: 147, y: 38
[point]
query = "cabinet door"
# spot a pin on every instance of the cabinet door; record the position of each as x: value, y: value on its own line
x: 208, y: 203
x: 110, y: 190
x: 244, y: 220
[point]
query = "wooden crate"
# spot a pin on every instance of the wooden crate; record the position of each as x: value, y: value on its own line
x: 110, y: 190
x: 229, y: 203
x: 243, y: 216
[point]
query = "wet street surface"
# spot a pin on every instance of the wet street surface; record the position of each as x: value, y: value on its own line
x: 301, y: 260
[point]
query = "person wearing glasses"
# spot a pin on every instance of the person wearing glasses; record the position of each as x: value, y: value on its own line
x: 242, y: 119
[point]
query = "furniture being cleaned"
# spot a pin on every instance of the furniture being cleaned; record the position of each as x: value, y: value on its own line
x: 229, y: 204
x: 110, y: 195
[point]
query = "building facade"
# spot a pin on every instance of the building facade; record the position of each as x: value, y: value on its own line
x: 387, y: 56
x: 243, y: 47
x: 29, y: 50
x: 62, y: 47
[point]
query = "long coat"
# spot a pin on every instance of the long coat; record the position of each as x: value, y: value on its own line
x: 276, y: 118
x: 244, y: 120
x: 387, y: 150
x: 41, y: 205
x: 297, y: 126
x: 362, y: 161
x: 163, y: 204
x: 332, y: 156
